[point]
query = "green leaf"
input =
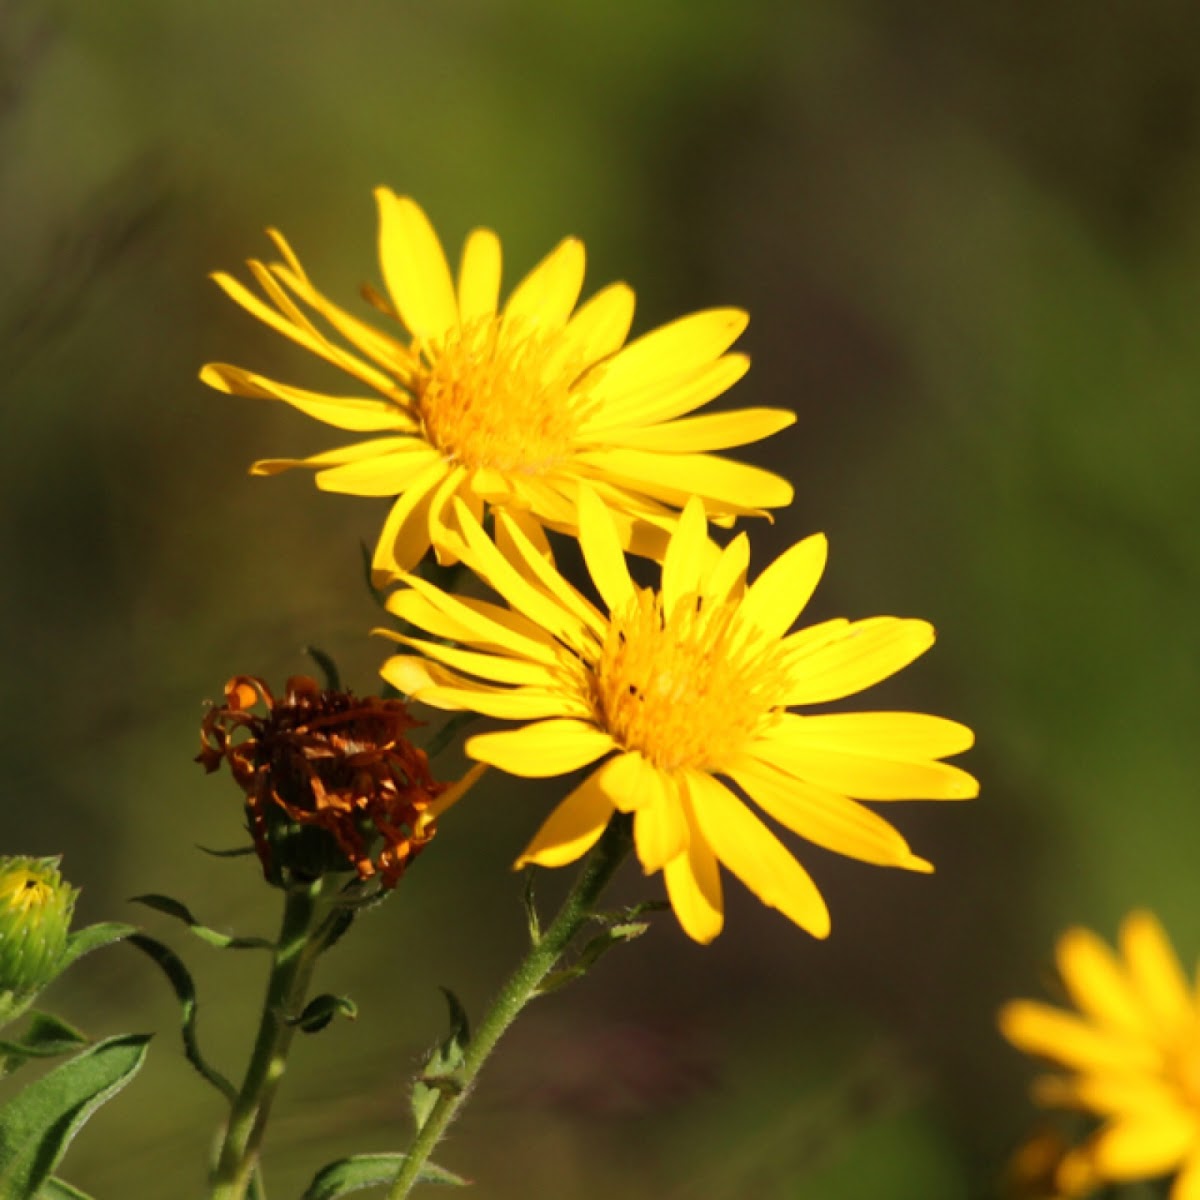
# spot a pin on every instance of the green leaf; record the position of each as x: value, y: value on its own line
x: 222, y: 941
x: 600, y: 945
x: 320, y: 1010
x: 370, y: 1170
x: 37, y: 1125
x: 60, y: 1189
x: 46, y: 1037
x: 449, y: 732
x: 95, y: 937
x: 333, y: 677
x: 531, y: 912
x: 440, y: 1067
x: 236, y: 852
x: 185, y: 991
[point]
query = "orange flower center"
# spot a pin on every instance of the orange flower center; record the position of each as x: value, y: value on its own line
x: 500, y: 393
x: 687, y: 688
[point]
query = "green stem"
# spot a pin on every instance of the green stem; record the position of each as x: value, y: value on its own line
x: 296, y: 955
x: 521, y: 987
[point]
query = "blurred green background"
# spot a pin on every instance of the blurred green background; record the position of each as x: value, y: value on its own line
x: 969, y: 240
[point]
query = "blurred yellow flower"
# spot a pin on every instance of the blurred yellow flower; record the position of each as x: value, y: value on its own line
x: 1132, y: 1057
x: 673, y: 688
x: 510, y: 407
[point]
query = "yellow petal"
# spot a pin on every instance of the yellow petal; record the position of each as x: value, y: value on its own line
x: 417, y: 609
x: 414, y: 267
x: 685, y: 558
x: 488, y: 631
x: 864, y: 775
x: 382, y: 475
x: 824, y: 817
x: 630, y: 781
x: 735, y: 486
x: 445, y: 534
x: 694, y: 886
x: 727, y: 578
x: 713, y: 431
x: 303, y: 333
x: 404, y: 537
x: 755, y: 855
x: 339, y: 456
x: 572, y: 829
x: 545, y: 577
x: 775, y: 599
x: 597, y: 329
x: 602, y: 552
x: 1063, y: 1037
x: 1187, y: 1183
x: 432, y: 684
x: 634, y: 405
x: 1105, y: 1093
x: 479, y: 276
x: 543, y: 300
x: 685, y: 343
x: 906, y: 736
x: 1155, y: 972
x: 497, y: 668
x: 354, y: 413
x: 1097, y: 983
x: 660, y: 832
x: 1142, y: 1147
x: 383, y: 349
x: 862, y: 654
x: 543, y: 749
x: 523, y: 597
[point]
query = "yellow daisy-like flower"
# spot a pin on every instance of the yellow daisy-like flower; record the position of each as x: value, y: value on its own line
x: 511, y: 407
x: 1132, y: 1057
x: 672, y: 689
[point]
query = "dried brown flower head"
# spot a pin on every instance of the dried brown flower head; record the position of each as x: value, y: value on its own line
x: 331, y: 780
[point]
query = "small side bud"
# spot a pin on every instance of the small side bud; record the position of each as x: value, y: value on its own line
x: 36, y: 905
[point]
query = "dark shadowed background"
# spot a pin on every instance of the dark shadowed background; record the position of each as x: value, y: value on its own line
x: 969, y: 240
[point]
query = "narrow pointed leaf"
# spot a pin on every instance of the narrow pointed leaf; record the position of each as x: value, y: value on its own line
x: 370, y: 1170
x: 60, y: 1189
x: 222, y: 941
x: 94, y: 937
x: 46, y: 1037
x: 438, y: 1075
x: 181, y: 983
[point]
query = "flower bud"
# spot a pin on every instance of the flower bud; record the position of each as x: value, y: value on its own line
x: 36, y: 905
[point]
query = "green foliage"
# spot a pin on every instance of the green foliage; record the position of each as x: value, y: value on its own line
x: 320, y: 1010
x: 222, y: 941
x: 37, y: 1125
x: 442, y: 1063
x: 47, y: 1037
x: 329, y: 668
x: 182, y: 984
x: 59, y: 1189
x: 370, y: 1170
x: 95, y: 937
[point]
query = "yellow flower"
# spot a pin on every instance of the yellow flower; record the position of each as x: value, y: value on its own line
x: 1131, y: 1053
x: 511, y: 407
x: 673, y: 688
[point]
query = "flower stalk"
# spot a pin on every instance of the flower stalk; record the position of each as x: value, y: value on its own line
x: 301, y: 941
x: 522, y: 986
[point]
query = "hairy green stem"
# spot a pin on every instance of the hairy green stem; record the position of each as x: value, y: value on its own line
x: 296, y: 954
x: 520, y: 988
